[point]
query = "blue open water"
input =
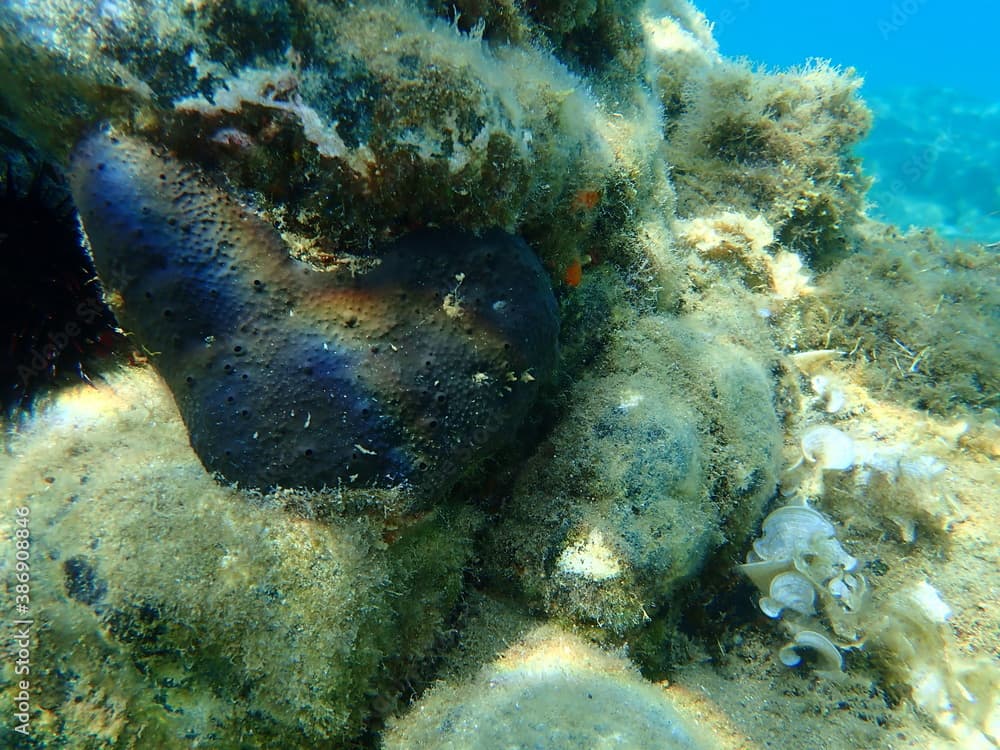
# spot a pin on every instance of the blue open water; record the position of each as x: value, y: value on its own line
x: 932, y: 77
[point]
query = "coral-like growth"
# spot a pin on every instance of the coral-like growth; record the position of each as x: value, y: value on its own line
x: 777, y: 145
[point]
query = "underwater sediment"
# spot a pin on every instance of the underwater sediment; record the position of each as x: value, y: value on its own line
x: 450, y: 327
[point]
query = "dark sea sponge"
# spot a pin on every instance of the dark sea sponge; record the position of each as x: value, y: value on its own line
x: 290, y: 376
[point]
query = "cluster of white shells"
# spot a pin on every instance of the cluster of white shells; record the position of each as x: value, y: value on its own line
x: 800, y: 567
x: 807, y: 580
x: 823, y: 447
x: 802, y: 570
x: 811, y: 585
x: 906, y: 484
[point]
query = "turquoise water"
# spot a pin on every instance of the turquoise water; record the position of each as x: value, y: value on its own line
x: 935, y: 156
x: 932, y: 80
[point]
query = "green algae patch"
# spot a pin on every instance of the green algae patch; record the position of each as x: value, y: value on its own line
x: 175, y: 608
x: 916, y: 318
x: 375, y: 118
x: 778, y: 144
x: 660, y: 459
x: 550, y: 690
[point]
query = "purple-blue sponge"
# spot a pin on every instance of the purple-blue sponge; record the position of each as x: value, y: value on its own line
x: 290, y: 376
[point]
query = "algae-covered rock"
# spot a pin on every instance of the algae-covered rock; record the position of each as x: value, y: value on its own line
x: 660, y: 459
x: 550, y: 690
x: 172, y: 609
x: 778, y: 145
x: 377, y: 116
x: 920, y: 316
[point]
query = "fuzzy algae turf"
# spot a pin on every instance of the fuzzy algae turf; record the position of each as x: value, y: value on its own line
x: 173, y: 606
x: 716, y: 214
x: 671, y: 450
x: 543, y: 692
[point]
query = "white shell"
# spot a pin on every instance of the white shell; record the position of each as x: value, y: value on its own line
x: 828, y: 447
x: 849, y: 590
x: 835, y: 401
x: 792, y: 591
x: 928, y: 600
x: 762, y: 572
x: 833, y: 397
x: 790, y: 531
x: 828, y: 658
